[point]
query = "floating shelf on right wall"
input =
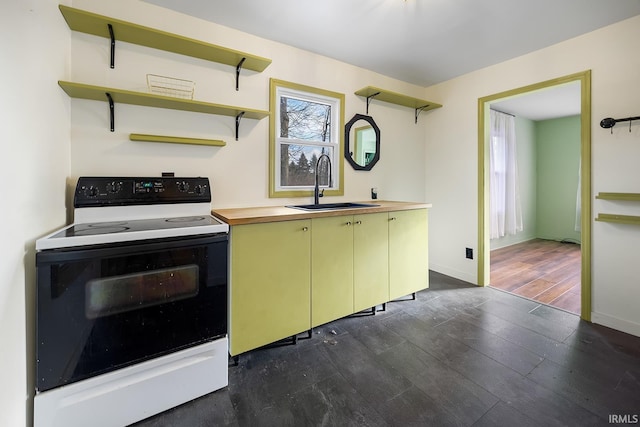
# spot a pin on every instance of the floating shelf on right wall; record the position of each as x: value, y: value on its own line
x: 631, y: 197
x: 372, y: 92
x: 620, y: 219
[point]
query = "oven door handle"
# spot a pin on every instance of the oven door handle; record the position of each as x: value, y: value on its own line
x: 85, y: 252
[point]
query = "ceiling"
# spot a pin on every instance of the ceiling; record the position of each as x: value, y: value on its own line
x: 423, y: 42
x: 550, y: 103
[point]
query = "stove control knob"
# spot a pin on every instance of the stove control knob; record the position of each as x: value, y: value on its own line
x: 199, y: 189
x: 91, y: 191
x: 114, y: 187
x: 183, y: 187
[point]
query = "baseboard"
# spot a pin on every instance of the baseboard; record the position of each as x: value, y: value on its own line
x: 471, y: 278
x: 615, y: 323
x: 505, y: 244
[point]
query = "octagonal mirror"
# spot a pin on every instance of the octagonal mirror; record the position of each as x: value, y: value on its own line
x: 362, y: 142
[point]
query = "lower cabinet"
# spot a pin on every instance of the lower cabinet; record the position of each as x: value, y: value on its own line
x: 408, y: 252
x: 349, y: 265
x: 331, y: 268
x: 289, y: 276
x: 269, y: 283
x: 370, y: 260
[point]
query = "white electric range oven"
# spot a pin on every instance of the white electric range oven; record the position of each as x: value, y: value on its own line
x: 131, y: 315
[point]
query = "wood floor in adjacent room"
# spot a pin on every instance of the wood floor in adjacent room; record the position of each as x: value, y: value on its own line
x: 546, y: 271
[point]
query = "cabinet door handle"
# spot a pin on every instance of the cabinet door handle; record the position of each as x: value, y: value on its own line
x: 348, y: 223
x: 393, y: 218
x: 358, y: 222
x: 305, y: 228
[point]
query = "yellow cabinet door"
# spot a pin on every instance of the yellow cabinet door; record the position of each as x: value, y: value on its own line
x: 331, y: 268
x: 269, y: 283
x: 370, y: 260
x: 408, y: 252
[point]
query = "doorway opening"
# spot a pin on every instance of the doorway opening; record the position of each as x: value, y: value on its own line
x: 566, y: 253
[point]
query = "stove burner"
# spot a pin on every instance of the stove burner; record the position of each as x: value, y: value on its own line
x: 100, y: 230
x: 185, y: 219
x: 106, y: 224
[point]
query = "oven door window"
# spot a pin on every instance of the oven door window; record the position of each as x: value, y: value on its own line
x: 128, y: 292
x: 104, y: 308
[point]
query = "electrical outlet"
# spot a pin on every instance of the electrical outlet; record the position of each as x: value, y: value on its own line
x: 469, y: 253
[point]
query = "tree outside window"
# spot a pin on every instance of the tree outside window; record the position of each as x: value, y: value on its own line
x: 306, y: 123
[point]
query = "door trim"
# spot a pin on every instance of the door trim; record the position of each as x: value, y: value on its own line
x: 584, y: 78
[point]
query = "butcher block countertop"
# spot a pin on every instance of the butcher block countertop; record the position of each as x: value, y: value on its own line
x: 256, y: 215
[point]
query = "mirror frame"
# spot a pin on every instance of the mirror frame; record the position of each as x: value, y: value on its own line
x: 347, y: 144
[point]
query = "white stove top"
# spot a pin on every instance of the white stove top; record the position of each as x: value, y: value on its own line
x: 97, y: 224
x: 96, y: 233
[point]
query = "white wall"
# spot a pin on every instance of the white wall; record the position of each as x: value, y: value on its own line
x: 239, y: 171
x: 451, y: 137
x: 50, y: 139
x: 34, y: 118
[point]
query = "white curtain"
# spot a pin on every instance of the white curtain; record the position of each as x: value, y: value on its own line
x: 505, y: 210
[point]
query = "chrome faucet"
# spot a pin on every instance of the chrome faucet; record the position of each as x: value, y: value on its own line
x: 316, y: 191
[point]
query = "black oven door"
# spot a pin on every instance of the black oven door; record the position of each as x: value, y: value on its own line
x: 102, y: 308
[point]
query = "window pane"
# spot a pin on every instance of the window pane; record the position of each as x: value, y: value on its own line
x: 298, y: 165
x: 309, y: 121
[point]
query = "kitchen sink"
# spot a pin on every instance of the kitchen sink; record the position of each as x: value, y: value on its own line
x: 332, y: 206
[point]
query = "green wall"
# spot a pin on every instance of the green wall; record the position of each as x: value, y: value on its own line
x: 548, y: 162
x: 558, y: 160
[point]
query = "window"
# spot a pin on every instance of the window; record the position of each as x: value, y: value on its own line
x: 505, y: 212
x: 306, y: 123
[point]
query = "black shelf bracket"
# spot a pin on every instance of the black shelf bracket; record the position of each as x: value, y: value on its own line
x: 419, y: 110
x: 111, y: 112
x: 238, y: 118
x: 113, y: 46
x: 369, y: 100
x: 238, y: 68
x: 609, y: 122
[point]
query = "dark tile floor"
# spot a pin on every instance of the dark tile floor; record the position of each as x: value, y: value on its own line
x: 457, y: 356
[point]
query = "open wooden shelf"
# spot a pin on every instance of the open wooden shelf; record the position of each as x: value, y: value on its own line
x: 98, y: 25
x: 619, y: 219
x: 372, y: 92
x: 111, y: 95
x: 632, y: 197
x: 396, y: 98
x: 176, y: 140
x: 98, y: 93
